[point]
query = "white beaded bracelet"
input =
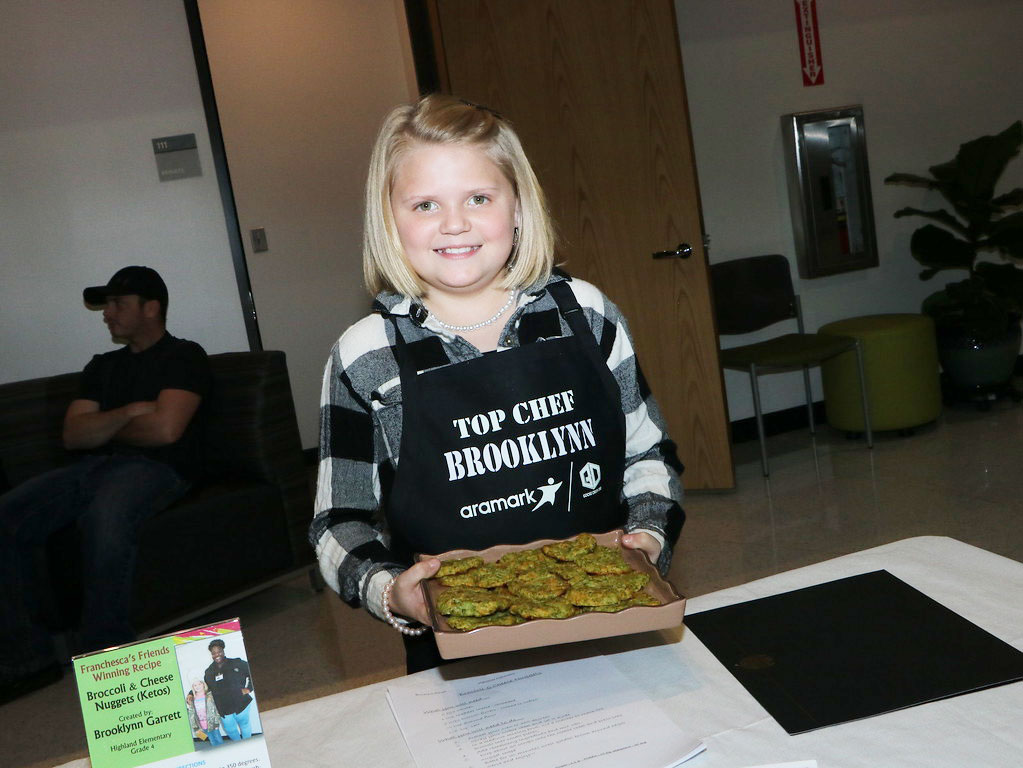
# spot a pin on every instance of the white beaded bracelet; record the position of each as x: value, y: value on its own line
x: 393, y: 621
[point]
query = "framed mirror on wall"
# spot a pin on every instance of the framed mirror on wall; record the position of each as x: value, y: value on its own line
x: 829, y: 191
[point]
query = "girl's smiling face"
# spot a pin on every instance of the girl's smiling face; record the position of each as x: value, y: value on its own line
x: 455, y: 213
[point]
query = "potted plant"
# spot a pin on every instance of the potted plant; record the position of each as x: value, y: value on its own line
x: 978, y: 318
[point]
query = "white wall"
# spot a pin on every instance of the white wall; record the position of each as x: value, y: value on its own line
x: 301, y: 89
x: 930, y: 75
x: 84, y: 87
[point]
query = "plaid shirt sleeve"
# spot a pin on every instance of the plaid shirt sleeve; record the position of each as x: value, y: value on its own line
x: 360, y: 393
x: 360, y: 433
x: 651, y: 489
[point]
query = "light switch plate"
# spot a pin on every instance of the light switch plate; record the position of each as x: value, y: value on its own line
x: 259, y: 243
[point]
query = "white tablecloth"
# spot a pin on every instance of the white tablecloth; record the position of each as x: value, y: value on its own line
x: 981, y: 729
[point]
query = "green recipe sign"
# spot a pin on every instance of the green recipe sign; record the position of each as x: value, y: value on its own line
x: 177, y: 701
x: 131, y: 704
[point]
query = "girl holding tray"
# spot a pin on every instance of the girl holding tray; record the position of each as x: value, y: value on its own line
x: 490, y: 398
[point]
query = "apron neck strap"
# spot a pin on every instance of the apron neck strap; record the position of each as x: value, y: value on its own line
x: 569, y: 307
x: 400, y: 347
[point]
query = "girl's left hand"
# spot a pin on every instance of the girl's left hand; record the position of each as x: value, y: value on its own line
x: 643, y: 542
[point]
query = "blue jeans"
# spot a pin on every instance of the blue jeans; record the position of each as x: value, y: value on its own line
x: 108, y: 497
x: 233, y: 724
x: 214, y: 735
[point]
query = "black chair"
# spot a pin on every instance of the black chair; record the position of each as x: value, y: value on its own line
x: 754, y: 293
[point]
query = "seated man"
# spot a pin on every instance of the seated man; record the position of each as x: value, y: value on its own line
x: 135, y: 424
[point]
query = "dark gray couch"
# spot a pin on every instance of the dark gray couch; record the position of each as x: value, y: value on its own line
x: 256, y: 489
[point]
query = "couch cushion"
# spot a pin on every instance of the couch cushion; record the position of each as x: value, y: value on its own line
x: 228, y: 537
x: 210, y: 545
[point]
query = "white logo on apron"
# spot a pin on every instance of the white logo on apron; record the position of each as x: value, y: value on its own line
x: 547, y: 495
x: 589, y: 476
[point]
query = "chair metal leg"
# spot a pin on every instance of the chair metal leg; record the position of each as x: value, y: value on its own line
x: 809, y: 398
x: 863, y: 395
x: 760, y: 418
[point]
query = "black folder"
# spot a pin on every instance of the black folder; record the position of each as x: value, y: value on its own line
x: 852, y: 648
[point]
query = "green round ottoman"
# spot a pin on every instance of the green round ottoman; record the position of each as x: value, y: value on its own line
x: 900, y: 360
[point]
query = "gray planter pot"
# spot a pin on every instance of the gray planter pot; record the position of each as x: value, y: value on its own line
x: 975, y: 366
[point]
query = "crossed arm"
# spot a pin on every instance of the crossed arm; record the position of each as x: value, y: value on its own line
x: 142, y: 423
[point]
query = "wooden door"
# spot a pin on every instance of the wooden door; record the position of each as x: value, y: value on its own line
x: 596, y: 92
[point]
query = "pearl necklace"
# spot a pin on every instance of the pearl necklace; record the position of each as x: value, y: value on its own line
x: 482, y: 323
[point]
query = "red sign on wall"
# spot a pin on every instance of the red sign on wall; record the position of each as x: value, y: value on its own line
x: 809, y: 42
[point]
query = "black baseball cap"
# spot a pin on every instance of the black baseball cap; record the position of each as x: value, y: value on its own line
x: 144, y: 282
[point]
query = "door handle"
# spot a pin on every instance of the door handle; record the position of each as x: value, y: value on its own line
x: 683, y: 251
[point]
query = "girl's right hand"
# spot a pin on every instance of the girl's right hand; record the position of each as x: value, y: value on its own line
x: 406, y: 594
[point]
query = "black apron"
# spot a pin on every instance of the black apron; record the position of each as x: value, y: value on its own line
x: 518, y: 445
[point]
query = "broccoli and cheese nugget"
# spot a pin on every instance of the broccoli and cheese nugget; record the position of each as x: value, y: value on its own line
x: 570, y: 572
x: 470, y: 601
x: 524, y: 560
x: 603, y: 560
x: 486, y: 576
x: 621, y: 582
x: 556, y: 608
x: 459, y: 565
x: 640, y: 598
x: 633, y: 580
x: 538, y: 587
x: 498, y: 619
x: 598, y: 590
x: 572, y: 549
x: 588, y: 597
x: 611, y: 608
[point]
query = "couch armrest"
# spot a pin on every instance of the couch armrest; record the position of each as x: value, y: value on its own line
x: 252, y: 432
x: 31, y: 423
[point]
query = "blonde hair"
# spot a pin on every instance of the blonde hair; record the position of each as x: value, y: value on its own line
x: 442, y: 119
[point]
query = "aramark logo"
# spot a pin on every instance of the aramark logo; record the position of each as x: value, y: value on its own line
x: 547, y: 494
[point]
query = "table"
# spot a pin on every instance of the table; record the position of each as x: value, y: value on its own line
x: 679, y: 674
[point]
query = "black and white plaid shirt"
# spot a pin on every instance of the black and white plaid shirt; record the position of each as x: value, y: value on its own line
x: 360, y: 430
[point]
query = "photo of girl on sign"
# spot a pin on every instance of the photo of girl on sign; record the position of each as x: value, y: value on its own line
x: 202, y: 712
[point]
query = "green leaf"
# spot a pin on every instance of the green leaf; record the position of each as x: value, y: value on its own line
x: 1006, y: 235
x: 911, y: 179
x: 968, y: 181
x: 941, y: 216
x: 1004, y: 280
x: 946, y: 172
x: 939, y: 249
x: 1009, y: 199
x: 980, y: 163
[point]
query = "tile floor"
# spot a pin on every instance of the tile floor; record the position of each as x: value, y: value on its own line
x: 960, y: 477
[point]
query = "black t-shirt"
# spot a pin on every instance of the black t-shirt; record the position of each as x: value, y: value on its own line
x: 120, y: 377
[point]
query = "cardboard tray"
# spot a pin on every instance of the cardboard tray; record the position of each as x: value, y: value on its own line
x: 453, y: 644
